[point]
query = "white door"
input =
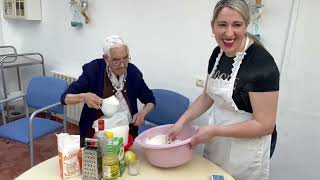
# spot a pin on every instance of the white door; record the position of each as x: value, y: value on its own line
x: 297, y: 154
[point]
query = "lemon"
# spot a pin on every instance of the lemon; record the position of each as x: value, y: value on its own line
x: 130, y: 157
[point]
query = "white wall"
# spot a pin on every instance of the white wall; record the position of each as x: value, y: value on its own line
x: 1, y: 35
x: 170, y: 41
x: 298, y: 149
x: 1, y: 26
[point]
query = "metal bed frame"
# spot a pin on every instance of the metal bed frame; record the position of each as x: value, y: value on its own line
x: 15, y: 60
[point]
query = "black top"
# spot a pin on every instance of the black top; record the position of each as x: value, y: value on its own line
x: 258, y: 73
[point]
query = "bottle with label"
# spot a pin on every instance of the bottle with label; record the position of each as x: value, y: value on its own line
x: 110, y: 161
x: 100, y: 133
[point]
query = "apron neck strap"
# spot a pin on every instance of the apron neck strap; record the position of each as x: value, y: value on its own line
x: 245, y: 46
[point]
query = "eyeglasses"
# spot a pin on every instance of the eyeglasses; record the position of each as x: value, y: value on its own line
x: 117, y: 62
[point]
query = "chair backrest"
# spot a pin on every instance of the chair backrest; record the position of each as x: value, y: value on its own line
x: 170, y: 106
x: 43, y: 91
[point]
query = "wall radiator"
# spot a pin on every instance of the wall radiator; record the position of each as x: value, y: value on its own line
x: 73, y: 111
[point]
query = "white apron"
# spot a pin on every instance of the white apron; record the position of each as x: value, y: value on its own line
x: 243, y: 158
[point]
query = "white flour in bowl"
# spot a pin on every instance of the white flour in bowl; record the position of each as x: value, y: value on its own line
x: 161, y: 140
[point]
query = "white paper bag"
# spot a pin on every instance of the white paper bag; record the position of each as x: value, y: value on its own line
x: 70, y: 155
x: 118, y: 124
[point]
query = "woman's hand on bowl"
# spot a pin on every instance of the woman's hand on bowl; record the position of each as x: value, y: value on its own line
x: 174, y: 131
x: 203, y: 135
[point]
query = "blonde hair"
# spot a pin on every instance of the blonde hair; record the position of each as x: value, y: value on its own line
x: 241, y: 7
x: 112, y: 42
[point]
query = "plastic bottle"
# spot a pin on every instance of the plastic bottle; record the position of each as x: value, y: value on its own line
x: 110, y: 161
x: 100, y: 133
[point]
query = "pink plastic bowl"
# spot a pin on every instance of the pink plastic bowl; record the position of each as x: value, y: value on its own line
x: 169, y: 155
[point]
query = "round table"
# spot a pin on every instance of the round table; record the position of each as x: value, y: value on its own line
x: 197, y: 169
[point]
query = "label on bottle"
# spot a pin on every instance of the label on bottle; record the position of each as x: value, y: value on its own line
x: 100, y: 125
x: 111, y: 171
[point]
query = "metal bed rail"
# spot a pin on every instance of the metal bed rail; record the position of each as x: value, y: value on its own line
x: 11, y: 47
x: 16, y: 61
x: 12, y: 63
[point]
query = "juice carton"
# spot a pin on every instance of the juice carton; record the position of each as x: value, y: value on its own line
x: 118, y: 143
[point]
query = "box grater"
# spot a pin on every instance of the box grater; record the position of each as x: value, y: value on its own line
x: 92, y: 160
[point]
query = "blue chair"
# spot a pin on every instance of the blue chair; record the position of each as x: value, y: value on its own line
x: 43, y: 94
x: 170, y: 106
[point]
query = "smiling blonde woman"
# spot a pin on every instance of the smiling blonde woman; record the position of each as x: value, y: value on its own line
x: 242, y: 91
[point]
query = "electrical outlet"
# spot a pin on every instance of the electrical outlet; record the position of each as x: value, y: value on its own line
x: 200, y: 81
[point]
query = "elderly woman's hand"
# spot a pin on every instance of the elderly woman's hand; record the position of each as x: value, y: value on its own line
x: 92, y: 100
x: 203, y: 135
x: 138, y: 118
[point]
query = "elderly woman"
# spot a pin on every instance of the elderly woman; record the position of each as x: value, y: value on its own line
x: 111, y: 75
x: 242, y: 89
